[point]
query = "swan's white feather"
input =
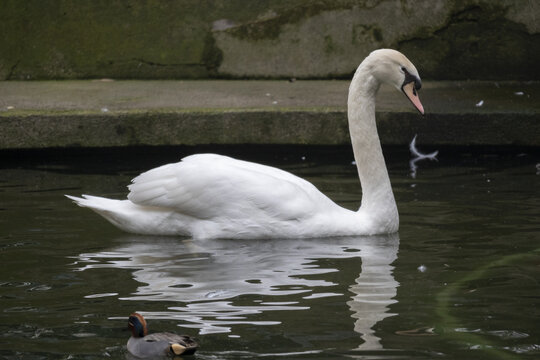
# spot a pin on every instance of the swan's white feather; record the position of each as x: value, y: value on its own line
x: 209, y: 186
x: 209, y: 196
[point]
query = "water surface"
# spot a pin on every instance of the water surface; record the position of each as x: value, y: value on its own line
x: 459, y: 281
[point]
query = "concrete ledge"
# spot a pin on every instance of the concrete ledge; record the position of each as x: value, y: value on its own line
x: 69, y: 114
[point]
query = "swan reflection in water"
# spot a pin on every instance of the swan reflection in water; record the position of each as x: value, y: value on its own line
x: 206, y: 275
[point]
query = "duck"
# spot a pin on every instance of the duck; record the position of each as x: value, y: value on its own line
x: 143, y: 345
x: 208, y: 196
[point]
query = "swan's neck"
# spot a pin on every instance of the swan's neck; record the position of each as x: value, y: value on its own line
x: 378, y: 204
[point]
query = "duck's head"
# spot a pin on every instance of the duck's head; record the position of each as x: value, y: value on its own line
x: 393, y: 68
x: 137, y: 325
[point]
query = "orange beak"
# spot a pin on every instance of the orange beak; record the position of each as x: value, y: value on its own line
x: 410, y: 91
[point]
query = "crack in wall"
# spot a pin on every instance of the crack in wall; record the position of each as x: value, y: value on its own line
x: 152, y: 63
x: 12, y: 70
x: 270, y: 28
x: 474, y: 35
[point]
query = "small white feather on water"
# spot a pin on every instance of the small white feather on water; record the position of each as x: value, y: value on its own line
x: 419, y: 156
x: 480, y: 103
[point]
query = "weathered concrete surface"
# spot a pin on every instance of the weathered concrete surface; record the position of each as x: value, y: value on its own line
x: 448, y: 39
x: 132, y: 113
x: 154, y: 39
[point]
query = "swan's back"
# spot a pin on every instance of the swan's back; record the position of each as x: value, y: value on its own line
x: 234, y: 194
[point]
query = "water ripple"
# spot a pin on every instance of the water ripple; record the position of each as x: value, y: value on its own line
x: 219, y: 284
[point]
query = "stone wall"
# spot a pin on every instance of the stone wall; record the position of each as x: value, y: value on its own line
x: 447, y: 39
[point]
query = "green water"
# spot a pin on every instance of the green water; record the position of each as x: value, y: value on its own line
x: 459, y: 281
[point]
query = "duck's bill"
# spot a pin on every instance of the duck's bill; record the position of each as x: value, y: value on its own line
x: 409, y: 90
x: 177, y: 349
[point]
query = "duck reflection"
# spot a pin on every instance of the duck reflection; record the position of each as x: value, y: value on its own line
x: 206, y: 276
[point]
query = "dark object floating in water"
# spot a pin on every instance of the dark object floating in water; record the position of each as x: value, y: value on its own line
x: 142, y: 345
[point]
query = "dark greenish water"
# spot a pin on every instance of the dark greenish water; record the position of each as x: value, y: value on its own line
x: 459, y: 281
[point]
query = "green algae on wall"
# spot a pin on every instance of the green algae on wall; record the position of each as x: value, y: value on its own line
x: 116, y: 38
x: 158, y: 39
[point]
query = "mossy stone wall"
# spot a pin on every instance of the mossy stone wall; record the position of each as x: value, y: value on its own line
x: 160, y: 39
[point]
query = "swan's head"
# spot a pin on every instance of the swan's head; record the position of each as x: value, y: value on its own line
x: 137, y: 325
x: 393, y: 68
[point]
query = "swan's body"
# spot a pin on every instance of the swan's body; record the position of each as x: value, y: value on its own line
x: 142, y: 345
x: 213, y: 196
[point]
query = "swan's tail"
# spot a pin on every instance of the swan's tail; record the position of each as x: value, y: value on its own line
x: 128, y: 216
x: 115, y: 211
x: 95, y: 203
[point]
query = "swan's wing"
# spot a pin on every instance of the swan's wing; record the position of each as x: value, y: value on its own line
x: 206, y: 186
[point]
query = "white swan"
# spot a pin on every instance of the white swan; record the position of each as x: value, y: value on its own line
x: 213, y: 196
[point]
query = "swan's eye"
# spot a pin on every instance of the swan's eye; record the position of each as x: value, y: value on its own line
x: 403, y: 69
